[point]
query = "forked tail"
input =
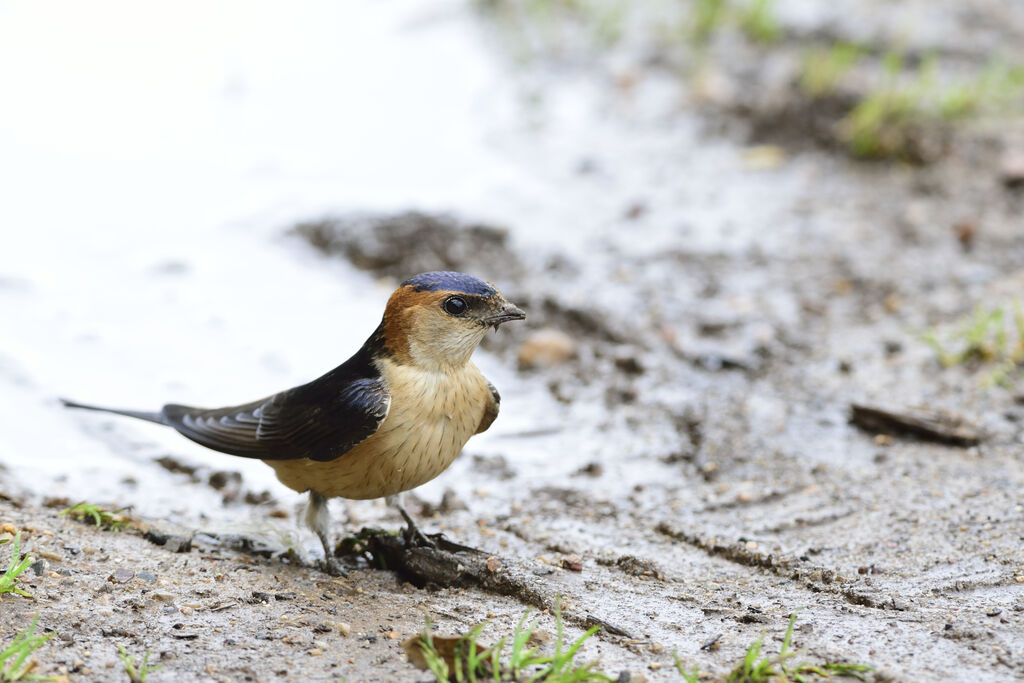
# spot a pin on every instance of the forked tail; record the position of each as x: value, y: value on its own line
x: 138, y: 414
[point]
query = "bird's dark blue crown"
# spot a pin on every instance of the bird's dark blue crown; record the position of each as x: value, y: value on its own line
x: 446, y: 280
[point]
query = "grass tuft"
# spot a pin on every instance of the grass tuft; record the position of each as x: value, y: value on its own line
x: 706, y: 17
x: 136, y: 675
x: 992, y: 337
x: 692, y: 676
x: 15, y: 664
x: 823, y: 69
x: 17, y: 565
x: 888, y: 120
x: 758, y: 668
x: 895, y: 108
x: 113, y: 520
x: 465, y: 659
x: 757, y: 19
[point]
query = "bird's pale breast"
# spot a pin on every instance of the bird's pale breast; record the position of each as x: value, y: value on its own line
x: 432, y: 415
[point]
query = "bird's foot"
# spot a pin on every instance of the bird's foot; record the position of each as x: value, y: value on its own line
x: 331, y: 565
x: 415, y: 538
x: 411, y: 534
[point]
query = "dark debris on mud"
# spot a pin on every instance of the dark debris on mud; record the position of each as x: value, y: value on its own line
x: 403, y: 244
x: 940, y: 426
x: 448, y: 566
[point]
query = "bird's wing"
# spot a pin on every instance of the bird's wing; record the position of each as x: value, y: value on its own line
x: 321, y: 420
x: 490, y: 410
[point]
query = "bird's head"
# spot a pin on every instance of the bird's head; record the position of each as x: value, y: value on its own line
x: 437, y: 319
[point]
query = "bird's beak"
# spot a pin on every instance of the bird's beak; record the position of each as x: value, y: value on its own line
x: 508, y: 312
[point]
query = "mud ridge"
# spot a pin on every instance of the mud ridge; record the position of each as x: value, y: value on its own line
x: 812, y: 577
x: 804, y: 522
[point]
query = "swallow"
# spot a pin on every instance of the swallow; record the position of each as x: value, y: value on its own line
x: 392, y: 417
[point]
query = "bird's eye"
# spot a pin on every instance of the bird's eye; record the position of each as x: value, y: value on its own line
x: 454, y: 305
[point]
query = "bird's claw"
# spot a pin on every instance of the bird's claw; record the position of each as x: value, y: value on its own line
x: 414, y: 538
x: 411, y: 534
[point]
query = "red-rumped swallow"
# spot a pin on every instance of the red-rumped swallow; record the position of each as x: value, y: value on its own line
x: 390, y: 418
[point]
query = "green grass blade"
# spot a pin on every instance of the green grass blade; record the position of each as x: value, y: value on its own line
x: 14, y: 569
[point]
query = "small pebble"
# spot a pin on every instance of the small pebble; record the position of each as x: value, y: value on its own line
x: 763, y: 157
x: 175, y: 543
x: 450, y: 502
x: 629, y: 365
x: 146, y: 576
x: 573, y: 563
x: 219, y: 480
x: 1011, y: 170
x: 121, y: 576
x: 635, y: 210
x: 965, y: 232
x: 546, y: 348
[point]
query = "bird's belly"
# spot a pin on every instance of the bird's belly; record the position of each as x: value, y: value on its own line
x: 417, y: 441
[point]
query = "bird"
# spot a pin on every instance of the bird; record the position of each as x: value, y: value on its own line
x: 390, y: 418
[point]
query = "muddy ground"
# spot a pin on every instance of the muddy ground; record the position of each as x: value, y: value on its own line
x: 688, y: 473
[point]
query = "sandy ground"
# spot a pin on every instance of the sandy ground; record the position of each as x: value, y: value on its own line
x: 690, y: 474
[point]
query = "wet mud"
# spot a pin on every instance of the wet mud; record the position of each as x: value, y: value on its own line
x: 705, y: 430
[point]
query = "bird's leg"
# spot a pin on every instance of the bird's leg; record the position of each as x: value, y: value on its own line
x: 318, y: 519
x: 412, y: 533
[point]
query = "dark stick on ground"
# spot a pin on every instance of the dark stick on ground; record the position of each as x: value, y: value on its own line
x: 925, y: 424
x: 450, y: 565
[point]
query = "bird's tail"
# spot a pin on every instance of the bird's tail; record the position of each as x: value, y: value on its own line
x: 138, y: 414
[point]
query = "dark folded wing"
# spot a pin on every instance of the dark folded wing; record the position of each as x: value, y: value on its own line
x: 490, y: 410
x: 321, y: 420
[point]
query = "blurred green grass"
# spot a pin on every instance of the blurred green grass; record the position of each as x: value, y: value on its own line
x: 890, y: 107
